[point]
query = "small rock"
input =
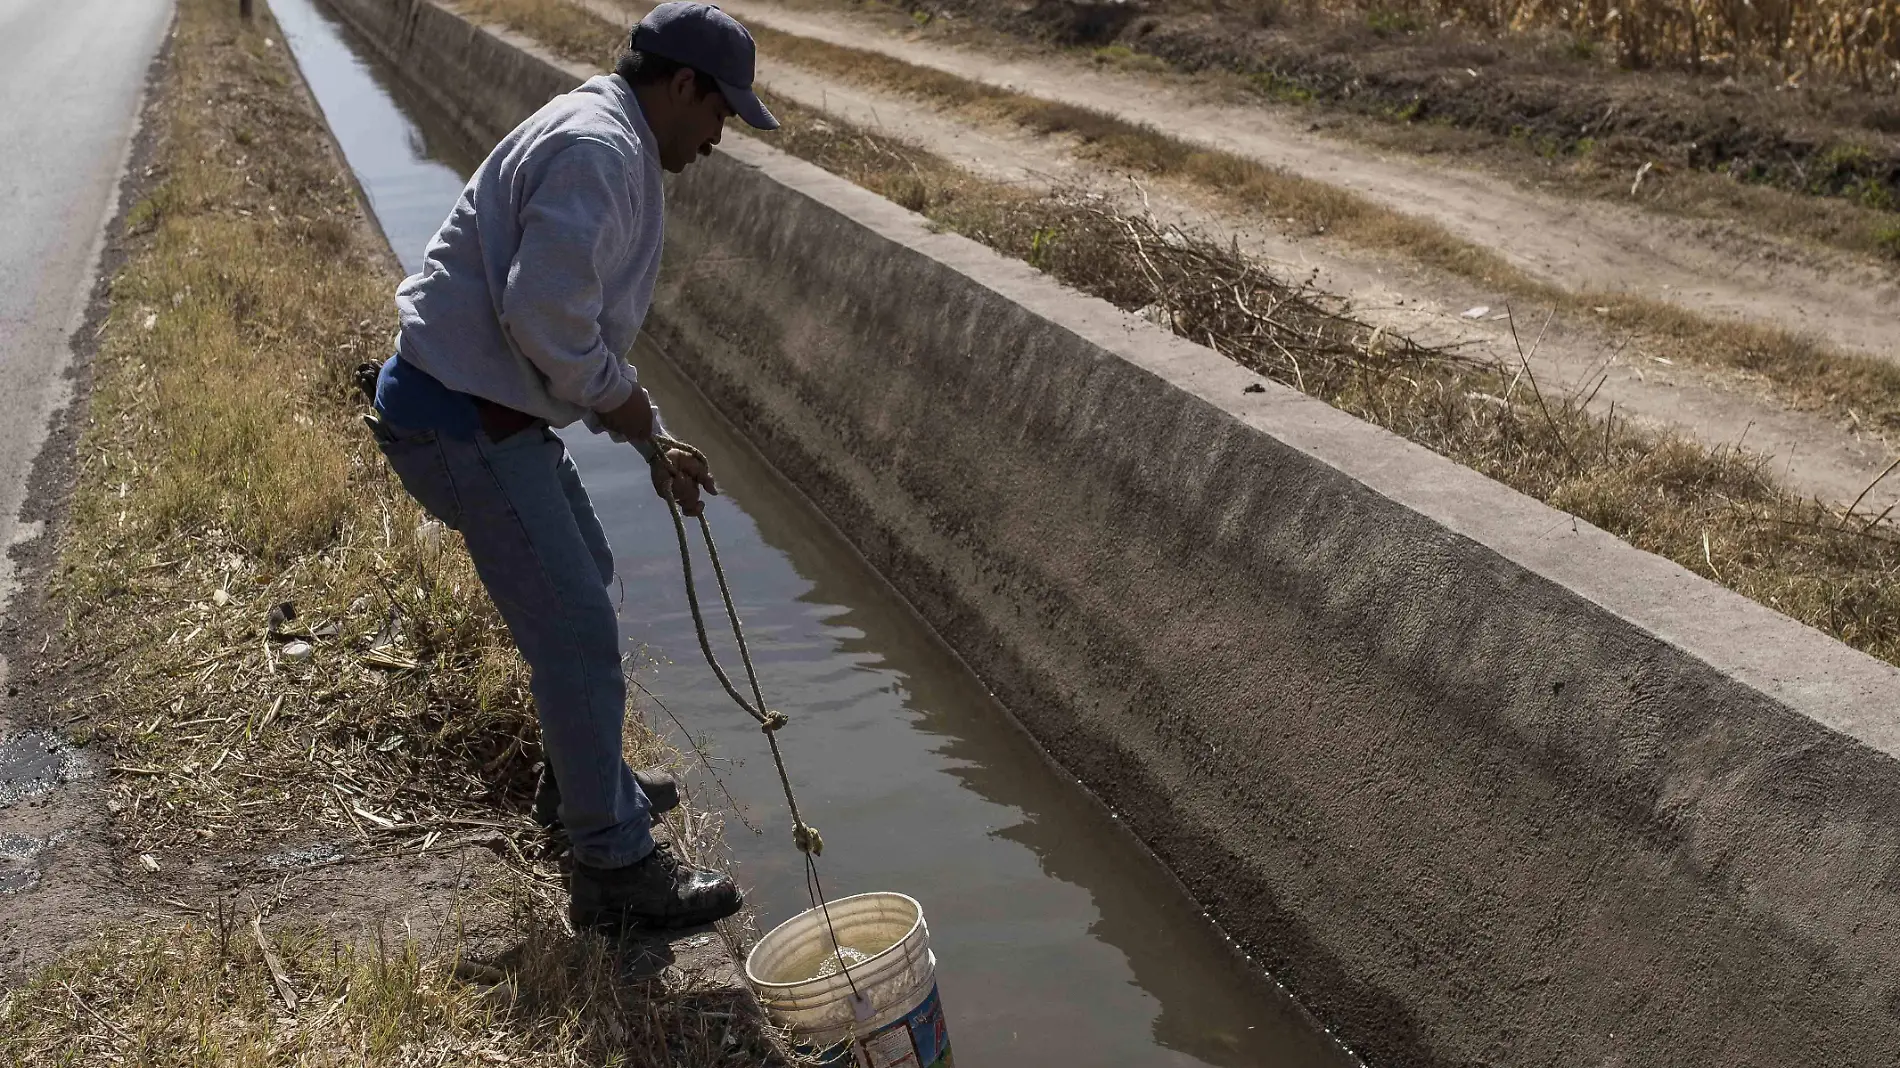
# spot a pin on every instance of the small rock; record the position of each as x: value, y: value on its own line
x: 148, y: 862
x: 298, y: 650
x: 282, y: 613
x: 151, y: 320
x: 429, y: 535
x: 1478, y: 312
x: 221, y: 597
x: 1254, y: 387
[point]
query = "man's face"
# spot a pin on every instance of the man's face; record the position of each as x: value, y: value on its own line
x: 697, y: 122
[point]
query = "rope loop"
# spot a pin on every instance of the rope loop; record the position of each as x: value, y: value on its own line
x: 807, y: 839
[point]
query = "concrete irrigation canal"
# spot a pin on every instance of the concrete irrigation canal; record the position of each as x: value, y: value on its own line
x: 1089, y: 636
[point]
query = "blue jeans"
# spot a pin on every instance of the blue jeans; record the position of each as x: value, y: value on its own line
x: 539, y: 550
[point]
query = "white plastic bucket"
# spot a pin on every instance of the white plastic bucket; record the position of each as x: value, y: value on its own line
x: 895, y: 1018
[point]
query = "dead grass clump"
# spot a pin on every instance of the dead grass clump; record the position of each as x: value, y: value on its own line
x: 229, y: 994
x: 1717, y: 512
x: 1857, y: 42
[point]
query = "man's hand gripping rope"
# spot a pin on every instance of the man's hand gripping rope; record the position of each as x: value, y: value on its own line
x: 680, y: 471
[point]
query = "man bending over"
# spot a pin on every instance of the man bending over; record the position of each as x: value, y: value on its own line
x: 531, y: 292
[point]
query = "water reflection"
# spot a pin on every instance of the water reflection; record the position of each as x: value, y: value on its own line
x: 410, y: 170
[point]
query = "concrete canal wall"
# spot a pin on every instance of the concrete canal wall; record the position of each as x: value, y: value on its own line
x: 1482, y: 784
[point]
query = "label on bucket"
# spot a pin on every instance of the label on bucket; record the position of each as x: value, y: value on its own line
x: 919, y: 1040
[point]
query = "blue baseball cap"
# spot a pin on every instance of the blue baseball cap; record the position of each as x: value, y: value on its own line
x: 712, y: 42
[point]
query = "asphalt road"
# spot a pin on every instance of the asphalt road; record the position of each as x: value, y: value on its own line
x: 72, y: 75
x: 72, y: 78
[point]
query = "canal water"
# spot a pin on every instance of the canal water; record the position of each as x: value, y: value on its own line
x: 1059, y: 939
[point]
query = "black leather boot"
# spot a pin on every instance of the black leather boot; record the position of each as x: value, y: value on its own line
x: 662, y: 790
x: 660, y: 891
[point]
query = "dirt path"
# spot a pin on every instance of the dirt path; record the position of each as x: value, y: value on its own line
x: 1587, y: 247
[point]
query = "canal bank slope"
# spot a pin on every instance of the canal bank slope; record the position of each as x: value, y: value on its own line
x: 1481, y: 783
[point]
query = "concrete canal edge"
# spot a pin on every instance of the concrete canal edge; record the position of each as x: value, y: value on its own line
x: 1480, y: 783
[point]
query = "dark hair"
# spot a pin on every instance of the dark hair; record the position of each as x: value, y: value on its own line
x: 645, y: 68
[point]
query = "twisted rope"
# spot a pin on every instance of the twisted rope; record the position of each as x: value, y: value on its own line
x: 804, y: 836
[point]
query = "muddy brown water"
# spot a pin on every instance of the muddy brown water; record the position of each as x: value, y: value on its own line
x: 1059, y: 939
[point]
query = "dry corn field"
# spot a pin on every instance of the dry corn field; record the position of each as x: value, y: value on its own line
x: 1851, y: 40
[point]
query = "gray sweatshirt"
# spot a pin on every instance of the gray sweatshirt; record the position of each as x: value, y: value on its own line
x: 536, y: 285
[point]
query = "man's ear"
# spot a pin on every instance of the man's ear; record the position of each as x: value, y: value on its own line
x: 685, y: 85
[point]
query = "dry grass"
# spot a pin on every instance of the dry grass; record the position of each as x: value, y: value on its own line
x: 1855, y: 40
x: 1849, y: 41
x: 1310, y: 206
x: 225, y: 472
x: 207, y: 995
x: 569, y: 30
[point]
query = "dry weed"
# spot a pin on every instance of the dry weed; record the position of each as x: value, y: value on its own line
x: 226, y: 994
x: 1853, y: 40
